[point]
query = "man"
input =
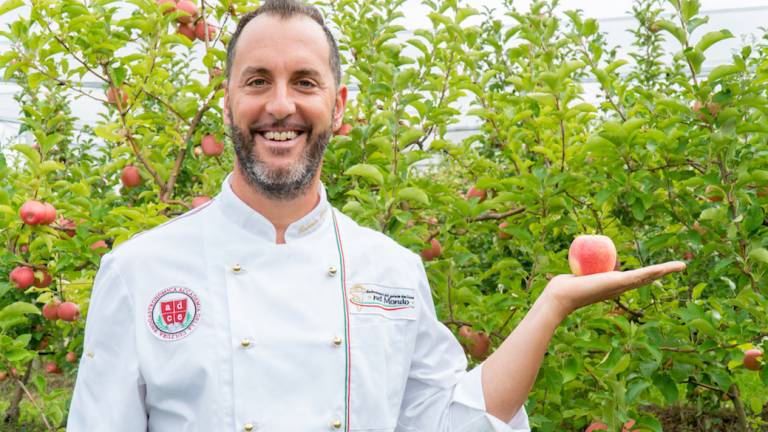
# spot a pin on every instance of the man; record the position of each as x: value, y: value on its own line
x: 269, y: 310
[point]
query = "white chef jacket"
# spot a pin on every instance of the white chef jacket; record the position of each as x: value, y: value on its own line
x: 206, y: 324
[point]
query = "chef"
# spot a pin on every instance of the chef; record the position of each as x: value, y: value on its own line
x: 269, y: 310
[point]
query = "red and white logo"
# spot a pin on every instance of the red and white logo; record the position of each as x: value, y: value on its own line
x: 173, y: 313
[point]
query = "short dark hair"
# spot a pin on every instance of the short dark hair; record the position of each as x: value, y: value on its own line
x: 287, y: 9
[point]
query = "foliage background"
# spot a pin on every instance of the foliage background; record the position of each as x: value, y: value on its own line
x: 646, y: 166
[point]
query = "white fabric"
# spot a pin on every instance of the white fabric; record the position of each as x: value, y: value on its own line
x: 408, y: 372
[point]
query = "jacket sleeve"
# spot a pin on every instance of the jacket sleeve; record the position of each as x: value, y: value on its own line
x: 440, y: 394
x: 109, y: 390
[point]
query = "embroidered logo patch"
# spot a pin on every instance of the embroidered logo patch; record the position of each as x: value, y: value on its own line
x: 173, y: 313
x: 383, y: 300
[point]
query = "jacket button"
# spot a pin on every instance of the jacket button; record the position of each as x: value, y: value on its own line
x: 245, y: 343
x: 248, y: 427
x: 236, y: 268
x: 337, y: 341
x: 331, y: 271
x: 336, y: 424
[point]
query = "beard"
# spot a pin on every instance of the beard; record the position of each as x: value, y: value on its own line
x: 279, y: 183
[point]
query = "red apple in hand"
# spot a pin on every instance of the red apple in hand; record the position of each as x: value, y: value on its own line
x: 23, y: 277
x: 33, y: 212
x: 69, y: 311
x: 130, y: 177
x: 751, y: 359
x: 211, y: 147
x: 590, y: 254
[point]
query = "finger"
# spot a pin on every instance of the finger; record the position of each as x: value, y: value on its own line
x: 615, y: 282
x: 646, y: 275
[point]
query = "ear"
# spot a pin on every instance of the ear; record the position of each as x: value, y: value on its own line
x: 340, y: 105
x: 226, y: 103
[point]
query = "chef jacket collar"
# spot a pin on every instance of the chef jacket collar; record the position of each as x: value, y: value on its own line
x: 242, y: 215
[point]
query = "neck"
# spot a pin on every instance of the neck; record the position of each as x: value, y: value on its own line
x: 281, y: 213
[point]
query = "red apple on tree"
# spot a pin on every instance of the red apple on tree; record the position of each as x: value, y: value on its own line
x: 188, y: 9
x: 42, y: 280
x: 50, y: 213
x: 344, y: 129
x: 33, y: 212
x: 130, y: 176
x: 713, y: 193
x: 432, y: 252
x: 69, y: 311
x: 502, y: 234
x: 114, y: 93
x: 475, y: 192
x: 187, y: 30
x: 52, y: 368
x: 200, y: 200
x: 23, y: 277
x: 3, y: 376
x: 51, y: 310
x: 200, y: 31
x: 479, y: 343
x: 752, y: 359
x: 590, y: 254
x: 167, y: 9
x: 596, y: 426
x: 211, y: 147
x: 71, y: 357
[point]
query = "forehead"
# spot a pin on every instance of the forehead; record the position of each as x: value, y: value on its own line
x: 267, y: 40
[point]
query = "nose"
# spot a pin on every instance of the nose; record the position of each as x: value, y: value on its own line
x: 281, y: 104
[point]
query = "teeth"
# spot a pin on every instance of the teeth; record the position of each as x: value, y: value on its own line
x: 280, y: 136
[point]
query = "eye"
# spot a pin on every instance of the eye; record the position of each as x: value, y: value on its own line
x: 306, y: 84
x: 258, y: 82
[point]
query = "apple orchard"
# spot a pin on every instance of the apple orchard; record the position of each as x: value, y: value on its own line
x: 670, y: 163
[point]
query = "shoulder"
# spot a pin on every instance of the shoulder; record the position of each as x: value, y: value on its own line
x: 177, y: 234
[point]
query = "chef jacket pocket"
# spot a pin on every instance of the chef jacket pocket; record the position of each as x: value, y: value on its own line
x: 381, y: 348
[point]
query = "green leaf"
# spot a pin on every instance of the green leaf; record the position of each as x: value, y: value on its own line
x: 19, y: 308
x: 712, y: 38
x: 367, y: 171
x: 703, y: 326
x: 759, y: 254
x: 673, y: 29
x: 31, y: 154
x: 10, y: 5
x: 413, y: 194
x: 723, y: 71
x: 667, y: 387
x: 50, y: 166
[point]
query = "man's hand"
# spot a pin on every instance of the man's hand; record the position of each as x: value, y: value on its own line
x: 509, y: 373
x: 568, y: 292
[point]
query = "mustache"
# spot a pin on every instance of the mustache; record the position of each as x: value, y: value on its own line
x: 255, y: 127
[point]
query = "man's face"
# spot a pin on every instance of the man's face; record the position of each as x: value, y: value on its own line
x: 281, y: 104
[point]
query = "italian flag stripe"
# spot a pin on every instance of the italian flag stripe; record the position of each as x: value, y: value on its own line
x: 348, y: 356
